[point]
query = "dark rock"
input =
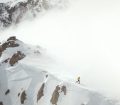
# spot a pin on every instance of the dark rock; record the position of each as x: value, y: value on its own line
x: 6, y: 61
x: 64, y: 90
x: 1, y: 103
x: 18, y: 94
x: 16, y: 57
x: 9, y: 44
x: 13, y: 38
x: 23, y: 97
x: 47, y: 76
x: 7, y: 92
x: 0, y: 50
x: 55, y: 96
x: 40, y: 92
x: 5, y: 19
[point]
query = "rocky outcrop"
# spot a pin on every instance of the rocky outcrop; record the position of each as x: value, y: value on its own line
x: 1, y: 103
x: 63, y: 89
x: 7, y: 92
x: 55, y: 96
x: 0, y: 51
x: 14, y: 14
x: 11, y: 42
x: 10, y: 13
x: 8, y: 44
x: 40, y: 92
x: 23, y: 97
x: 13, y: 38
x: 5, y: 17
x: 16, y: 57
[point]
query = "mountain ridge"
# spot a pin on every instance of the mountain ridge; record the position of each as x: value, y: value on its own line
x: 26, y: 84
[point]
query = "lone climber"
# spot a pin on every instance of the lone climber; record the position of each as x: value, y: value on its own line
x: 78, y: 80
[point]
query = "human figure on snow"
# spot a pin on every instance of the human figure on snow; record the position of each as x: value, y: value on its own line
x: 78, y: 80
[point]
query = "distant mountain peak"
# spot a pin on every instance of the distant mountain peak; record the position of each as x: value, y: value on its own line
x: 12, y: 12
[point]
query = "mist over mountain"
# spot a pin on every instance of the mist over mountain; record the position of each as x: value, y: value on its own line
x: 27, y: 83
x: 83, y: 39
x: 12, y: 12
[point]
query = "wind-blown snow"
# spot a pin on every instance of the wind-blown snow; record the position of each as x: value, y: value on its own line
x: 28, y: 77
x: 85, y: 38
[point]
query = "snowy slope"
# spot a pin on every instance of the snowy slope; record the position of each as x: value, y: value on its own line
x: 23, y: 82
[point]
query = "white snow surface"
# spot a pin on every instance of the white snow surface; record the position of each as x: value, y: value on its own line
x: 30, y: 73
x: 85, y: 38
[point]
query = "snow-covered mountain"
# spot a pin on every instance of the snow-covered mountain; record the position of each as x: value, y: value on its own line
x: 13, y: 11
x: 23, y: 82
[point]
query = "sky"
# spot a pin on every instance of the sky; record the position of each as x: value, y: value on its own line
x: 84, y: 37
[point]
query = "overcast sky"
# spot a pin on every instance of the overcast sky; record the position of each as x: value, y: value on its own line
x: 85, y: 37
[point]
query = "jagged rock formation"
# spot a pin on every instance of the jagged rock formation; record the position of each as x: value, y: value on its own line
x: 55, y: 96
x: 13, y: 13
x: 11, y: 42
x: 16, y: 57
x: 23, y: 97
x: 40, y: 92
